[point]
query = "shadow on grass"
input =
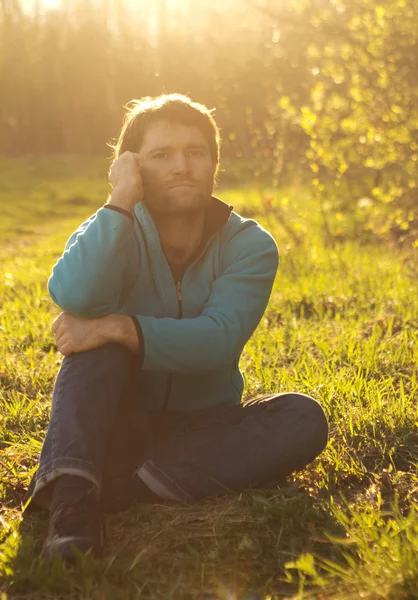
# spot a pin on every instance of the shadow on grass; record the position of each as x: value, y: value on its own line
x: 235, y: 545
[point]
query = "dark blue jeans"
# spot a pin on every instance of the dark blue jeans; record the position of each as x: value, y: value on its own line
x: 99, y: 430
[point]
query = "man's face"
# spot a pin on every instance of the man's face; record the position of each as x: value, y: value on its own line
x: 177, y: 169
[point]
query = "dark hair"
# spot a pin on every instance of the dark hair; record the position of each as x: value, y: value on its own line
x: 169, y: 107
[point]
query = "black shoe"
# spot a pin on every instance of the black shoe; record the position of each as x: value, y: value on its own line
x: 76, y: 524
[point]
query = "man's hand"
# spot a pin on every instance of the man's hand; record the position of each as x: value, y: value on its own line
x: 125, y: 179
x: 73, y: 334
x: 77, y: 335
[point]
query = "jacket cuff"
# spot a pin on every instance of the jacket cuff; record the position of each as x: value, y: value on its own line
x: 122, y: 211
x: 141, y: 346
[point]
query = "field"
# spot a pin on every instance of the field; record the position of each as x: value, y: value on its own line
x: 342, y: 325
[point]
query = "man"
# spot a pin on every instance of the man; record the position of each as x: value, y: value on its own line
x: 161, y: 289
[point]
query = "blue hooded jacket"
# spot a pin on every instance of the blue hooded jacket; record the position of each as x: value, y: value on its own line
x: 191, y: 331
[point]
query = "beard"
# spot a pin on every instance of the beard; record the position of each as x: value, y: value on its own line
x: 178, y: 201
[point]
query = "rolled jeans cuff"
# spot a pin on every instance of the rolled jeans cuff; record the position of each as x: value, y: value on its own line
x: 63, y: 466
x: 161, y: 484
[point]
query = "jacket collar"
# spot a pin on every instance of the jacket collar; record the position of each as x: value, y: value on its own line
x: 217, y: 214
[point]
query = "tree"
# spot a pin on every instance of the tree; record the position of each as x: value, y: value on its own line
x: 361, y: 114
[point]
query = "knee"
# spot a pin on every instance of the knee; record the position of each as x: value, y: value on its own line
x: 310, y: 415
x: 106, y: 359
x: 112, y: 351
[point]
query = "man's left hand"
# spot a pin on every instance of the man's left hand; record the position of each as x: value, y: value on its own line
x: 73, y: 334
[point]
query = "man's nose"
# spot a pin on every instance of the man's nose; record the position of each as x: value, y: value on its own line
x: 181, y: 163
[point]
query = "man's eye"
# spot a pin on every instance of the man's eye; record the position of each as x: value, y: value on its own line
x: 161, y: 155
x: 196, y: 153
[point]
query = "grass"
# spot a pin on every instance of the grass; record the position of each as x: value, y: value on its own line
x: 341, y: 325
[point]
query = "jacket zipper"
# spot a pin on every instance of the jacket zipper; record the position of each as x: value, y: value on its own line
x: 180, y: 315
x: 179, y: 299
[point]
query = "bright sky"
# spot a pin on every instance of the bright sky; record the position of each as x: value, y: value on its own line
x: 44, y: 3
x: 178, y: 11
x: 50, y: 3
x: 29, y: 4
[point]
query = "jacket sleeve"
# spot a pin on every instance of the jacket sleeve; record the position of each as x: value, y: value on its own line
x: 97, y: 266
x: 235, y: 307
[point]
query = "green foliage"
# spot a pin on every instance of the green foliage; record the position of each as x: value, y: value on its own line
x: 362, y: 112
x: 342, y: 326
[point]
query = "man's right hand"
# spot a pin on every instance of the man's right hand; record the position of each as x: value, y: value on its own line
x: 125, y: 179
